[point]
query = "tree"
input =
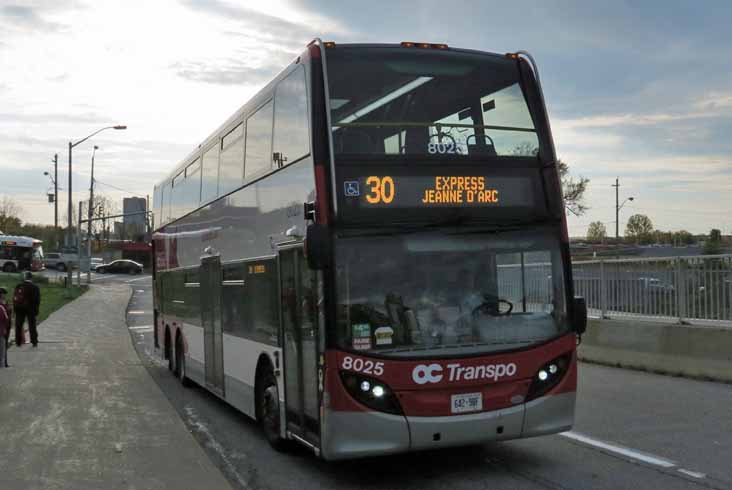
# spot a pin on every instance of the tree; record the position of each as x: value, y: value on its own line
x: 639, y: 228
x: 682, y: 237
x: 573, y: 191
x: 596, y: 232
x: 10, y: 215
x: 714, y: 244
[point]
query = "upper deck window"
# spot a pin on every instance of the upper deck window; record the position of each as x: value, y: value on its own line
x: 421, y: 102
x: 291, y: 135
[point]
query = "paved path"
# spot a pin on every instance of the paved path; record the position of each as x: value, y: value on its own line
x: 81, y: 412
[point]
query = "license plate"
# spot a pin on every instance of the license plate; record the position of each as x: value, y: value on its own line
x: 466, y: 402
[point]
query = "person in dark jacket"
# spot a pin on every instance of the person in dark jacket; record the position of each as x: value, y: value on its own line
x: 26, y: 303
x: 5, y: 326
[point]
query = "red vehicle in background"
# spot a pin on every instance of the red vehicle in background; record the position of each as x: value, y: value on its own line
x: 371, y: 255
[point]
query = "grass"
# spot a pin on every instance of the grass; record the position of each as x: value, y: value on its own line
x: 53, y: 296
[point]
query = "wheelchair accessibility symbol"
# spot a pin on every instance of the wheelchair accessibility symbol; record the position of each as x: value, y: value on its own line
x: 351, y: 188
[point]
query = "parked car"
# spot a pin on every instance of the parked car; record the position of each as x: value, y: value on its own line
x: 59, y: 260
x: 120, y: 267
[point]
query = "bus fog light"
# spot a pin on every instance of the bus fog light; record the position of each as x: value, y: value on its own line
x: 378, y: 391
x: 365, y: 386
x: 543, y: 375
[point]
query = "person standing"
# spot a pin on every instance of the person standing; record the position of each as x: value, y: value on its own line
x: 4, y: 328
x: 26, y: 302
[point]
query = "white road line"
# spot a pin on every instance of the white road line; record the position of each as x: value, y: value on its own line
x: 138, y: 279
x: 693, y: 474
x: 136, y: 312
x: 624, y: 451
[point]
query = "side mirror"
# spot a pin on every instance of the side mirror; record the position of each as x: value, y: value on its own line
x: 317, y: 246
x: 579, y: 322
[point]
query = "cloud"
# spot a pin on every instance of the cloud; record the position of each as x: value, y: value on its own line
x: 268, y: 25
x: 28, y: 19
x: 226, y: 72
x: 89, y: 117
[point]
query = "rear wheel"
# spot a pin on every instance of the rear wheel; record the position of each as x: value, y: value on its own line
x: 169, y: 351
x: 180, y: 364
x: 61, y: 267
x: 268, y: 410
x: 9, y: 267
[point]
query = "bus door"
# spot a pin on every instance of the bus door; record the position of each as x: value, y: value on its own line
x: 213, y: 341
x: 298, y: 296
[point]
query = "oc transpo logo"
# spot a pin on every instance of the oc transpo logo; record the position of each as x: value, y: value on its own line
x: 427, y: 374
x: 432, y: 373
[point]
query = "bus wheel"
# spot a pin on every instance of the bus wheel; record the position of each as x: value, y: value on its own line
x: 169, y: 351
x: 61, y: 267
x: 9, y: 267
x: 268, y: 410
x: 180, y: 364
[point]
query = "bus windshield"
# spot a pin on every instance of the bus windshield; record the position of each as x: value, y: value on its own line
x: 402, y: 101
x: 429, y: 294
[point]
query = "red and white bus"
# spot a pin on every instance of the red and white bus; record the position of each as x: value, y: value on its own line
x: 19, y: 253
x: 371, y: 255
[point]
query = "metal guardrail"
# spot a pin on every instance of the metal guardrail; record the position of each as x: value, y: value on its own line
x: 686, y: 289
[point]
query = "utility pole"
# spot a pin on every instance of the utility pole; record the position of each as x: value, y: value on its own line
x: 78, y: 249
x: 90, y: 214
x: 617, y: 209
x: 55, y: 190
x: 70, y: 274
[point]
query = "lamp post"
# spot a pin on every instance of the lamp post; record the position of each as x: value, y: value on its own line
x: 618, y: 207
x: 70, y: 206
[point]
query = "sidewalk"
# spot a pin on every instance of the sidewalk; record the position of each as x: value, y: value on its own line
x: 81, y: 412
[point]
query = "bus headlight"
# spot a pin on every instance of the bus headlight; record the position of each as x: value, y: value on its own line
x: 548, y: 376
x: 371, y: 392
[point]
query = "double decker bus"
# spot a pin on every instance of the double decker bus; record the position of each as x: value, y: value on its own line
x: 19, y: 253
x: 371, y: 255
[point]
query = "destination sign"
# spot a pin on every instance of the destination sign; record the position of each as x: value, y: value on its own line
x: 434, y: 191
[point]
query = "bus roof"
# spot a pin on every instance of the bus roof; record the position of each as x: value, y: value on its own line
x: 19, y: 241
x: 267, y: 90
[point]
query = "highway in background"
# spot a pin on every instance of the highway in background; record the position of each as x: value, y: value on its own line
x: 634, y: 430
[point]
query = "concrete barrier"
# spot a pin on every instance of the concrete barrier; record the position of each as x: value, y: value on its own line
x: 695, y: 351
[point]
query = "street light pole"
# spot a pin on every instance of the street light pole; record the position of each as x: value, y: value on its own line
x: 90, y: 214
x: 55, y: 190
x: 70, y: 274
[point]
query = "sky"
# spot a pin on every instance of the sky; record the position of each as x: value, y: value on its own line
x: 636, y: 90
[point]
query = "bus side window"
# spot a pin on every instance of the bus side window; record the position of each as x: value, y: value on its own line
x: 233, y: 300
x: 258, y: 158
x: 291, y: 131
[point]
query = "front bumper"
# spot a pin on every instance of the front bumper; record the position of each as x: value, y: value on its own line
x: 360, y: 434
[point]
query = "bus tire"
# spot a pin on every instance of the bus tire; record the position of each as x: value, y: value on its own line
x: 9, y: 267
x: 169, y: 350
x: 61, y: 267
x: 268, y: 409
x: 180, y: 363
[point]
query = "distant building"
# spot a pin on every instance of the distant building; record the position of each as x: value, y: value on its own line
x: 135, y: 226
